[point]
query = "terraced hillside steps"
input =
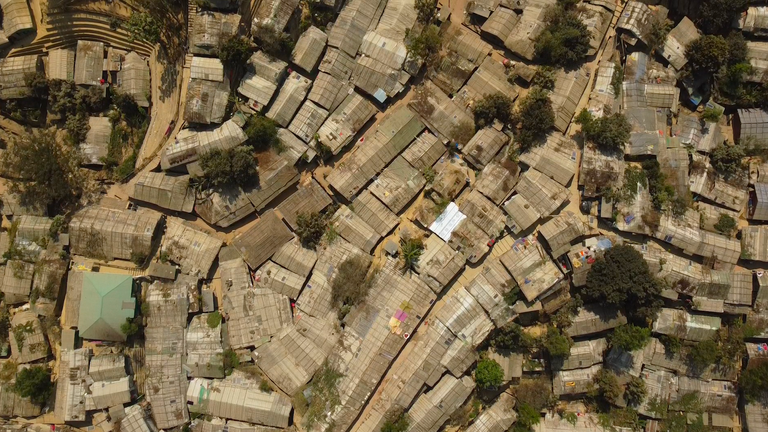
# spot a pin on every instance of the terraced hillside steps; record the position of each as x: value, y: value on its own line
x: 191, y: 16
x: 65, y: 29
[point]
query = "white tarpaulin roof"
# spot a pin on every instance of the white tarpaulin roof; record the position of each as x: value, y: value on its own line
x: 444, y: 225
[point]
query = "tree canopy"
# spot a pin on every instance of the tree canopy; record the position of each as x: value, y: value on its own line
x: 235, y: 51
x: 565, y: 39
x: 351, y: 283
x: 235, y: 166
x: 53, y: 180
x: 425, y: 11
x: 753, y: 382
x: 621, y: 278
x: 630, y: 337
x: 536, y: 117
x: 495, y: 106
x: 488, y: 374
x: 703, y: 354
x: 557, y: 344
x: 143, y: 26
x: 425, y: 45
x: 726, y: 159
x: 608, y: 133
x: 310, y: 227
x: 716, y: 16
x: 35, y: 383
x: 262, y: 133
x: 272, y: 41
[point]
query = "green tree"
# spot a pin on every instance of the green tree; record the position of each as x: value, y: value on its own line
x: 565, y: 39
x: 527, y: 416
x: 726, y: 159
x: 753, y: 382
x: 410, y: 252
x: 621, y: 278
x: 715, y: 16
x: 703, y: 354
x: 425, y: 11
x: 661, y: 192
x: 77, y: 127
x: 54, y: 179
x: 35, y: 383
x: 536, y: 117
x: 657, y: 34
x: 712, y: 114
x: 426, y: 45
x: 630, y: 337
x: 608, y: 386
x: 672, y: 343
x: 325, y: 394
x: 235, y: 166
x: 38, y: 84
x: 635, y: 391
x: 262, y: 133
x: 351, y: 284
x: 488, y: 374
x: 130, y: 327
x: 495, y: 106
x: 707, y: 54
x: 545, y: 77
x: 272, y: 41
x: 608, y: 133
x: 726, y: 225
x: 310, y: 228
x: 235, y: 51
x: 512, y: 337
x: 536, y: 393
x: 557, y: 344
x: 143, y: 26
x: 396, y: 421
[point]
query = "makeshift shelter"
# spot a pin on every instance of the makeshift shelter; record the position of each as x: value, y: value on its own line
x: 497, y: 180
x: 397, y: 185
x: 681, y: 324
x: 351, y: 25
x: 17, y: 281
x: 107, y: 233
x: 432, y: 409
x: 210, y: 30
x: 337, y: 63
x: 424, y: 151
x: 374, y: 213
x: 13, y: 72
x: 307, y: 121
x: 484, y: 146
x: 532, y: 269
x: 440, y: 113
x: 292, y: 357
x: 17, y: 19
x: 342, y: 125
x: 354, y: 230
x: 263, y: 239
x: 308, y: 49
x: 61, y: 64
x: 439, y: 263
x: 296, y: 258
x: 204, y: 351
x: 71, y: 387
x: 133, y: 79
x: 592, y: 319
x: 327, y: 91
x: 574, y: 382
x: 172, y: 192
x: 254, y: 315
x: 758, y: 209
x: 96, y: 145
x: 191, y: 144
x: 89, y: 63
x: 678, y: 39
x: 194, y: 250
x: 107, y: 367
x: 634, y: 22
x: 206, y: 101
x: 309, y: 198
x: 489, y: 287
x: 275, y: 176
x: 289, y: 99
x: 557, y: 158
x: 464, y: 316
x: 565, y: 97
x: 223, y: 207
x: 751, y: 124
x: 754, y: 243
x: 28, y: 342
x: 274, y: 13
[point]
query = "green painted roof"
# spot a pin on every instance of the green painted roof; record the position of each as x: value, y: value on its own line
x: 105, y: 304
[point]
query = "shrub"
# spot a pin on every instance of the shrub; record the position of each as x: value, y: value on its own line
x: 535, y: 393
x: 536, y: 117
x: 630, y: 337
x: 130, y: 327
x: 234, y: 166
x: 488, y: 374
x: 565, y: 39
x: 410, y: 252
x: 35, y: 383
x: 495, y: 106
x: 229, y: 361
x: 350, y: 285
x: 557, y: 344
x: 657, y: 34
x: 397, y: 421
x: 672, y: 344
x: 635, y: 391
x: 264, y: 386
x: 726, y: 224
x: 310, y: 228
x: 214, y: 319
x: 512, y: 337
x: 143, y: 26
x: 325, y: 394
x: 527, y: 416
x: 712, y: 114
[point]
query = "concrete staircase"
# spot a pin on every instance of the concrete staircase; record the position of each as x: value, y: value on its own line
x: 65, y: 29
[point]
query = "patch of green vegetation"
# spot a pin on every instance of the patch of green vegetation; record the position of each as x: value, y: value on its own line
x: 214, y: 319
